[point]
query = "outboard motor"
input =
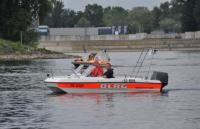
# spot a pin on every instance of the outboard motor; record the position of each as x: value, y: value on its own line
x: 161, y: 76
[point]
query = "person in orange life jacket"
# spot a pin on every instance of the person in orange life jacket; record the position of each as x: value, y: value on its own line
x: 97, y: 71
x: 109, y: 72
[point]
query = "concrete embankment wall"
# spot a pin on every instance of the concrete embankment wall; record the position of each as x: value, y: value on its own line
x: 130, y: 42
x: 120, y: 45
x: 138, y: 36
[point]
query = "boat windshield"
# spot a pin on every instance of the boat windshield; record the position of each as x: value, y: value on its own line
x: 84, y: 71
x: 88, y: 70
x: 78, y: 70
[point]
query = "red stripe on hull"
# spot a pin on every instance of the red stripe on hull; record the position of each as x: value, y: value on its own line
x: 152, y: 86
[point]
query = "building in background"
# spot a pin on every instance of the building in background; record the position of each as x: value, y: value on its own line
x: 88, y: 31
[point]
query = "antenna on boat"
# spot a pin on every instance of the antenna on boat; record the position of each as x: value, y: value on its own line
x: 134, y: 68
x: 105, y: 54
x: 139, y: 63
x: 152, y: 52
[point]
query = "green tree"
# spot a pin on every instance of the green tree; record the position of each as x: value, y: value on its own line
x: 170, y: 25
x: 176, y: 9
x: 18, y: 15
x: 142, y: 18
x: 134, y: 27
x: 165, y: 9
x: 78, y: 16
x: 115, y: 16
x: 83, y: 22
x: 57, y: 14
x: 94, y: 13
x: 45, y: 6
x: 60, y: 17
x: 156, y: 17
x: 197, y: 13
x: 69, y: 18
x: 188, y: 18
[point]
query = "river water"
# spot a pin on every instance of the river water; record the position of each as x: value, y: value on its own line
x: 25, y: 102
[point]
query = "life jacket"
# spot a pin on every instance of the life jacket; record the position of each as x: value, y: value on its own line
x: 96, y: 72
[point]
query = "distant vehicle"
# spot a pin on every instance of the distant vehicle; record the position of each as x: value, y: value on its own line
x: 43, y: 30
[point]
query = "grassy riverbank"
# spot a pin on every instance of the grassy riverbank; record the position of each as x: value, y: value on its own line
x: 16, y: 51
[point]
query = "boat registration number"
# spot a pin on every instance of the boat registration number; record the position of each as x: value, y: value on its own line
x: 114, y: 86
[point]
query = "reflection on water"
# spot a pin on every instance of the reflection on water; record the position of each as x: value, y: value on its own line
x: 27, y: 103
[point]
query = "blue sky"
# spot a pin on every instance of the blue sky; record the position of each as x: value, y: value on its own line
x: 127, y: 4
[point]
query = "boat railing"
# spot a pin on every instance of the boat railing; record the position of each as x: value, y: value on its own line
x: 140, y: 69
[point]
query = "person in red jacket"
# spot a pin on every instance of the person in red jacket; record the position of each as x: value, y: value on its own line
x: 97, y: 71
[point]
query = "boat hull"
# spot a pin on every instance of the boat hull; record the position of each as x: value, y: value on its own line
x: 104, y: 87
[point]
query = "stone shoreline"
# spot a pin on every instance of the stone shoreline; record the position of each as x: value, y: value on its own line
x: 8, y: 57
